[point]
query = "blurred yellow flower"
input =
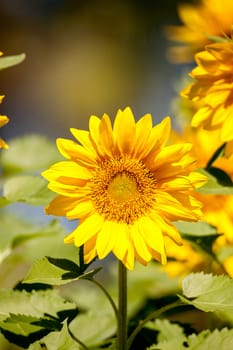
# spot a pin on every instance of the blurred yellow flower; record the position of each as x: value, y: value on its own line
x: 213, y: 89
x: 217, y: 209
x: 125, y: 186
x: 3, y: 120
x: 228, y: 265
x: 201, y: 21
x: 186, y: 259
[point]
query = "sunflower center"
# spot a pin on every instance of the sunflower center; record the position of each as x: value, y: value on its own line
x: 123, y: 189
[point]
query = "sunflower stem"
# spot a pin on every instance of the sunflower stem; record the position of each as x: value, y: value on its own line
x: 122, y: 307
x: 107, y: 295
x: 78, y: 341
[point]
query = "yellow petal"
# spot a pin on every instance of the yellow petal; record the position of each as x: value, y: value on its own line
x: 106, y: 239
x: 158, y: 138
x: 152, y: 234
x: 106, y: 136
x: 124, y: 131
x: 167, y: 228
x: 69, y: 190
x: 3, y: 144
x: 201, y: 116
x: 168, y: 155
x: 71, y: 150
x: 83, y: 137
x: 227, y: 129
x: 88, y: 228
x: 139, y: 243
x: 81, y: 209
x: 197, y: 179
x: 143, y: 131
x: 128, y: 260
x: 122, y: 240
x: 94, y: 126
x: 61, y: 205
x: 3, y: 120
x: 67, y: 169
x: 90, y: 250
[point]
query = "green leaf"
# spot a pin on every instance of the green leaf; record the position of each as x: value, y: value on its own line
x: 207, y: 292
x: 20, y: 324
x: 50, y: 229
x: 4, y: 202
x: 19, y: 232
x: 64, y: 264
x: 57, y: 341
x: 9, y: 61
x: 197, y: 229
x: 29, y: 153
x: 222, y: 177
x: 18, y: 330
x: 218, y: 339
x: 43, y: 271
x: 217, y: 154
x: 167, y: 330
x: 171, y: 336
x: 35, y: 304
x: 28, y: 189
x: 200, y: 233
x: 214, y: 186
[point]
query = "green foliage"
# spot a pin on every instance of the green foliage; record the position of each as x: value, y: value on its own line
x: 58, y: 340
x: 199, y: 233
x: 35, y: 303
x: 171, y: 336
x: 219, y: 182
x: 27, y: 317
x: 207, y: 292
x: 30, y: 153
x: 9, y: 61
x: 28, y: 189
x: 43, y: 271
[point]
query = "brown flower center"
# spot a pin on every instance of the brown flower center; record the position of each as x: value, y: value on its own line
x: 123, y: 189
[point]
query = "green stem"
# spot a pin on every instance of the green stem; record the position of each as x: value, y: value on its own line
x: 76, y: 339
x: 154, y: 314
x: 122, y: 307
x: 108, y: 296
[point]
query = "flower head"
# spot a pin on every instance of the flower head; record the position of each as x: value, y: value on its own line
x: 213, y: 89
x: 3, y: 120
x: 201, y: 21
x: 217, y: 208
x: 125, y: 186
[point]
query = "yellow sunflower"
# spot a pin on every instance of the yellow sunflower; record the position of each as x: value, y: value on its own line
x: 201, y: 21
x: 217, y: 209
x: 213, y: 89
x: 125, y: 186
x: 186, y: 259
x: 3, y: 120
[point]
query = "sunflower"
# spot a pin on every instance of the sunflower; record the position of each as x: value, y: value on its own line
x: 186, y: 259
x: 125, y: 186
x: 216, y: 208
x: 213, y: 89
x: 202, y: 22
x: 3, y: 120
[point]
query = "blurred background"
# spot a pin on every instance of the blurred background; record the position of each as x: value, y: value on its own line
x: 83, y: 58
